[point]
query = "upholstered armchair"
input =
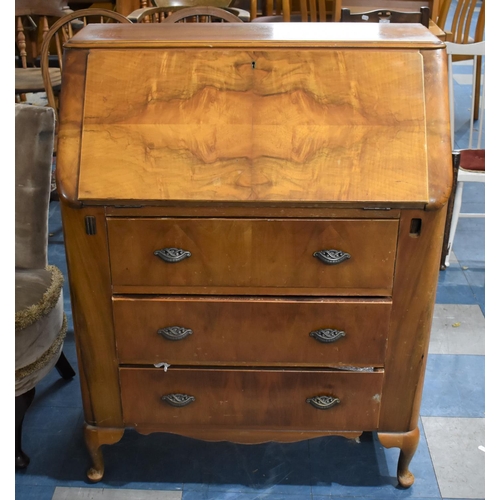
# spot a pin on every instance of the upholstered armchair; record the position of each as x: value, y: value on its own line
x: 40, y: 321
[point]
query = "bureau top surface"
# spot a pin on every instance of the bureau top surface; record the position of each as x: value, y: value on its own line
x: 255, y: 35
x: 304, y: 114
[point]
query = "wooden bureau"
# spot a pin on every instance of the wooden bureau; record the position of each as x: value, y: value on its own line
x: 253, y: 218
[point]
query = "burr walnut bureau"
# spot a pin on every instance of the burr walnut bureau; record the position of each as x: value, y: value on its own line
x: 253, y: 218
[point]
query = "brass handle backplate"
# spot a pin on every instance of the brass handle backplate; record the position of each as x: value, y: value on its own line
x: 172, y: 255
x: 175, y: 332
x: 327, y: 335
x: 178, y: 400
x: 331, y: 256
x: 323, y: 402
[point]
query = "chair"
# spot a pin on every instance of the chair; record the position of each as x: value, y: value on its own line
x: 459, y: 26
x: 315, y: 11
x: 471, y: 159
x: 272, y: 11
x: 40, y: 325
x: 158, y: 13
x: 228, y: 5
x: 60, y: 32
x: 386, y: 16
x: 310, y: 11
x: 458, y: 30
x: 202, y: 14
x: 33, y: 19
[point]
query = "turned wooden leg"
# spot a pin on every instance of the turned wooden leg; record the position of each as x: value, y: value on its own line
x: 95, y: 437
x: 64, y: 368
x: 407, y: 442
x: 23, y: 402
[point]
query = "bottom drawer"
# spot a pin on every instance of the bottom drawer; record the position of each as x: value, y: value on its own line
x: 269, y: 399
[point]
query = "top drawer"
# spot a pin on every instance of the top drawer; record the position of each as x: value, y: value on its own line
x: 252, y: 256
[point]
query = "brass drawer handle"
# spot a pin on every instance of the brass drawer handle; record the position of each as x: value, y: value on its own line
x: 327, y: 335
x: 323, y: 402
x: 178, y: 400
x: 331, y: 256
x: 175, y: 332
x: 172, y: 254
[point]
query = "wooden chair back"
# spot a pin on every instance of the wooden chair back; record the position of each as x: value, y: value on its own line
x: 202, y: 14
x: 459, y: 26
x: 296, y: 10
x: 270, y: 11
x: 315, y: 11
x: 386, y: 16
x: 164, y: 8
x: 33, y: 20
x: 275, y: 7
x: 459, y: 29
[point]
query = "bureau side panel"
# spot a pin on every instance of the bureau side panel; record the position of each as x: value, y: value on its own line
x: 437, y: 117
x: 70, y: 125
x: 90, y: 285
x: 415, y: 284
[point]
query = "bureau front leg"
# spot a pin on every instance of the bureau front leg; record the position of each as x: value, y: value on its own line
x: 407, y: 442
x: 95, y: 437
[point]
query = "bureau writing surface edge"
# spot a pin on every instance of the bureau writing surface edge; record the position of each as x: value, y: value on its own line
x: 263, y: 211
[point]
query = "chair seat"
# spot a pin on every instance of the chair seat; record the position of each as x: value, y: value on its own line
x: 39, y: 313
x: 31, y: 80
x: 472, y: 160
x: 244, y: 15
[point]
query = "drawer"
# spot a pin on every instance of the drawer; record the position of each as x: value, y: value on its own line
x: 257, y: 331
x: 251, y: 398
x: 254, y: 253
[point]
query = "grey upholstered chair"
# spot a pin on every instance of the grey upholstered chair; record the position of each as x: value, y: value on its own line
x: 40, y: 320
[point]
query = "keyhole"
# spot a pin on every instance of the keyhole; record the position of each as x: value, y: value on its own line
x: 253, y: 64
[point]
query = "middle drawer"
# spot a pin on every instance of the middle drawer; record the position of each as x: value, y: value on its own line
x: 251, y: 331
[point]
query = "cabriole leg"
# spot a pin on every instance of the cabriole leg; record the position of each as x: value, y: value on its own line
x: 407, y: 442
x: 95, y: 437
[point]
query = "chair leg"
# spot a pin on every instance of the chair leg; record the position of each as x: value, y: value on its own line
x: 477, y: 95
x: 64, y: 368
x: 454, y: 218
x: 23, y: 402
x: 445, y: 250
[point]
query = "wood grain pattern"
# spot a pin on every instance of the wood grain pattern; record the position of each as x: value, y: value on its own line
x: 249, y: 291
x: 293, y: 127
x: 252, y: 147
x: 415, y: 284
x: 90, y: 284
x: 244, y: 436
x: 257, y: 35
x: 254, y: 331
x: 95, y: 437
x: 254, y: 253
x: 71, y: 103
x: 225, y: 210
x: 438, y: 130
x: 408, y: 443
x: 250, y: 398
